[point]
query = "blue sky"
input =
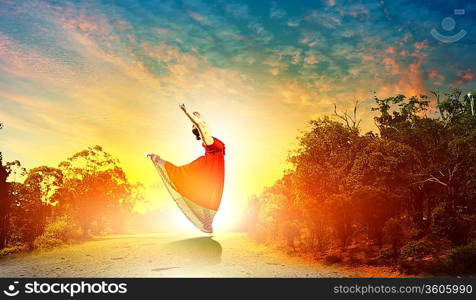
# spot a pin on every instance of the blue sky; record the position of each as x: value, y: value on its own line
x: 304, y: 39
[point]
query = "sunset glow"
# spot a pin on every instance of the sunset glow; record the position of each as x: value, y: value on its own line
x: 75, y: 74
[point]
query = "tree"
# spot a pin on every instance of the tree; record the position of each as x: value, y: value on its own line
x: 10, y: 170
x: 404, y: 121
x: 450, y: 159
x: 380, y: 181
x: 33, y: 201
x: 374, y: 208
x: 324, y: 158
x: 391, y: 120
x: 4, y: 203
x: 350, y: 120
x: 393, y: 232
x: 95, y: 190
x: 454, y: 107
x: 322, y: 162
x: 339, y: 210
x: 418, y: 170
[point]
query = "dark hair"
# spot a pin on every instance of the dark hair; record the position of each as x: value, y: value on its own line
x: 196, y: 132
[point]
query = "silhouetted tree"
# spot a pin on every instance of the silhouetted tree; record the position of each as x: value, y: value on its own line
x: 4, y: 203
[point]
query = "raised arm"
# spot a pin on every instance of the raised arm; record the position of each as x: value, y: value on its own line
x: 200, y: 124
x: 192, y: 118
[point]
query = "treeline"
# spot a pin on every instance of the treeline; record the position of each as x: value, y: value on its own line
x: 403, y: 196
x: 87, y: 194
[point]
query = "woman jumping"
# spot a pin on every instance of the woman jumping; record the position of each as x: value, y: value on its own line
x: 197, y: 187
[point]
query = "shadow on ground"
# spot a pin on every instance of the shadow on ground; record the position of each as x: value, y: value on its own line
x: 199, y: 251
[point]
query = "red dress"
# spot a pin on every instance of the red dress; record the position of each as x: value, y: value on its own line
x: 201, y: 181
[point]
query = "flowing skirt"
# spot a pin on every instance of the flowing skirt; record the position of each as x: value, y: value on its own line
x: 200, y: 215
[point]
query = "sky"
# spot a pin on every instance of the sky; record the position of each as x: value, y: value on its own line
x: 75, y: 74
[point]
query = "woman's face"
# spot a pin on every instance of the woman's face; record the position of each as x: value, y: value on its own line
x: 197, y: 114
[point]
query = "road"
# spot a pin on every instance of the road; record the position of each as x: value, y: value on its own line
x: 163, y: 255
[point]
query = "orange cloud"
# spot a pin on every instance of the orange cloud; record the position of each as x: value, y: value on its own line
x: 390, y: 50
x: 199, y: 18
x: 410, y: 82
x: 463, y: 77
x: 433, y: 74
x: 392, y: 65
x: 311, y: 58
x: 468, y: 74
x: 421, y: 45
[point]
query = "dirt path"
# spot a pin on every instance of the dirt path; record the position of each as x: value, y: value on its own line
x: 163, y: 255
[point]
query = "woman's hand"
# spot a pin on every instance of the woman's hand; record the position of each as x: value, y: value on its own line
x: 155, y: 157
x: 182, y: 107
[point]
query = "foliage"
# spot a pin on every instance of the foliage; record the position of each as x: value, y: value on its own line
x: 339, y: 208
x: 411, y: 183
x: 462, y: 259
x: 58, y: 232
x: 448, y: 225
x: 45, y: 242
x: 96, y: 190
x: 12, y: 250
x: 332, y: 259
x: 88, y: 193
x: 386, y: 253
x: 393, y: 233
x: 416, y: 249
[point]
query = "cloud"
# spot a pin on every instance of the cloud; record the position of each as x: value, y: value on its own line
x: 276, y: 66
x: 21, y: 61
x: 421, y: 45
x: 468, y: 74
x: 328, y: 20
x: 275, y: 12
x: 355, y: 10
x: 434, y: 75
x: 392, y: 65
x: 464, y: 77
x: 294, y: 22
x: 199, y: 18
x: 312, y: 39
x: 311, y: 58
x: 260, y: 33
x: 236, y: 10
x: 291, y: 92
